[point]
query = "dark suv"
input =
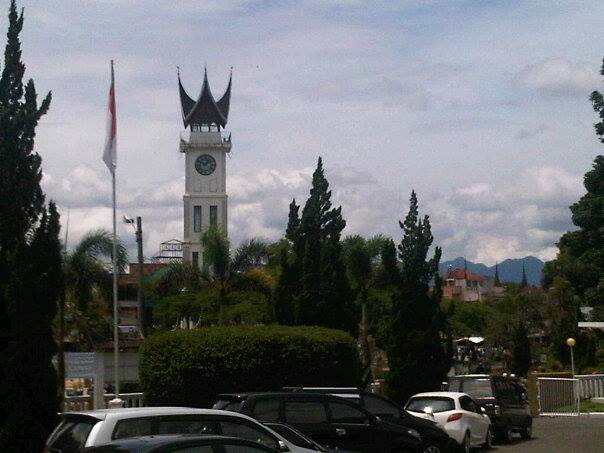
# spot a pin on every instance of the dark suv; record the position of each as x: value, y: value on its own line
x: 330, y: 420
x: 434, y: 439
x: 503, y: 398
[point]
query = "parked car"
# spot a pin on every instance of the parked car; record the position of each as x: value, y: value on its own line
x: 93, y: 428
x: 299, y: 439
x: 463, y: 419
x: 434, y: 438
x: 503, y: 399
x: 181, y: 444
x: 332, y: 421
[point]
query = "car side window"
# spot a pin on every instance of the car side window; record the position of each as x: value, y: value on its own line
x: 467, y: 404
x: 344, y: 413
x: 267, y: 410
x: 133, y: 428
x: 186, y: 425
x: 378, y: 406
x: 305, y: 412
x: 244, y: 430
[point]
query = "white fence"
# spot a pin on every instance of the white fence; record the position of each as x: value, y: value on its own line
x: 86, y: 402
x: 563, y: 396
x: 591, y: 385
x: 558, y: 396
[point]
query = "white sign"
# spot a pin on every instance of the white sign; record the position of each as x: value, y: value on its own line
x: 79, y: 365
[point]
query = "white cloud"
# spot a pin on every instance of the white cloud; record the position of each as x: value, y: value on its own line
x: 560, y: 77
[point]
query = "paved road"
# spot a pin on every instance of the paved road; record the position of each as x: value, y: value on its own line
x: 583, y: 434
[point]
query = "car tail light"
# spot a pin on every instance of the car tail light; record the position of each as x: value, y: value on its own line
x: 45, y: 449
x: 453, y: 417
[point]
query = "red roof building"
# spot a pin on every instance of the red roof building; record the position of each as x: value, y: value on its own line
x: 463, y: 285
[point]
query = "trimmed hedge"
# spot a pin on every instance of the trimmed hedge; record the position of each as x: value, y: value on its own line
x: 191, y: 367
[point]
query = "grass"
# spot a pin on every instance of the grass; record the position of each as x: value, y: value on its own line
x: 584, y: 406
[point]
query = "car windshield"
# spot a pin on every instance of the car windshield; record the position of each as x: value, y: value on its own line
x: 478, y: 388
x: 437, y: 403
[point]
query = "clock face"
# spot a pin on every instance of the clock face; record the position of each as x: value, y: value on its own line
x: 205, y: 164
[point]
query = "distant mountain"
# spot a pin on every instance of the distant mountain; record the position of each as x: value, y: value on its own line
x: 509, y: 270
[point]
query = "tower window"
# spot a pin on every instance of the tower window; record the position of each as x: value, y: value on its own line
x: 197, y: 219
x: 195, y: 259
x: 213, y: 215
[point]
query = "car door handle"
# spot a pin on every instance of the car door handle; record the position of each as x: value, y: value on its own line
x: 341, y: 431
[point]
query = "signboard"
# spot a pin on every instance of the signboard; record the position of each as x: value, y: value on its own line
x: 80, y: 365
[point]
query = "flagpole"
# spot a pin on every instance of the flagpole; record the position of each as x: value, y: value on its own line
x: 116, y: 402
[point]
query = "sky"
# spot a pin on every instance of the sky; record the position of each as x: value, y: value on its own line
x: 481, y: 107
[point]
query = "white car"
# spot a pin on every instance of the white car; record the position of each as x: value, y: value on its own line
x: 461, y: 417
x: 78, y: 430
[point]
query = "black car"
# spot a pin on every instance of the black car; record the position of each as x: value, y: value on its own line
x: 434, y: 439
x: 184, y: 444
x: 504, y: 400
x: 332, y: 421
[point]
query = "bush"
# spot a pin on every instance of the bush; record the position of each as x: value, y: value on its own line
x: 191, y: 367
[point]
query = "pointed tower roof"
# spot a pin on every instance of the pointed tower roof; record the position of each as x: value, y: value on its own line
x: 205, y: 110
x: 497, y: 282
x: 524, y: 282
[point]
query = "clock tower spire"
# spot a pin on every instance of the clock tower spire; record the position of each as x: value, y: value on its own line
x: 205, y: 145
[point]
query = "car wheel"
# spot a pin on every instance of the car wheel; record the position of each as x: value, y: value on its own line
x: 527, y: 432
x: 465, y: 445
x: 431, y: 449
x: 508, y: 435
x: 488, y: 440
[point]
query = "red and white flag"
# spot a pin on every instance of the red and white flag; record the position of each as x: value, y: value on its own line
x: 110, y: 151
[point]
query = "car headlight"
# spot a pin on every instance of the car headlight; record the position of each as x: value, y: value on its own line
x: 414, y: 433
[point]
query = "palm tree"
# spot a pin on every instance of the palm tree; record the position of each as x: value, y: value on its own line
x: 217, y: 263
x: 87, y: 282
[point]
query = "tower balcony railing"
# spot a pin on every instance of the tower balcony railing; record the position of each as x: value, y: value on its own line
x: 208, y: 136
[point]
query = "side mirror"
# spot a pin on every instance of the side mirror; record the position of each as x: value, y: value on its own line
x: 428, y: 411
x: 282, y: 446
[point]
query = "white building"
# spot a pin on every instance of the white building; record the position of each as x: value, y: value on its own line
x: 205, y: 145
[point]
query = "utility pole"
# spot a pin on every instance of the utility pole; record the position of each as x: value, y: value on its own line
x: 139, y: 295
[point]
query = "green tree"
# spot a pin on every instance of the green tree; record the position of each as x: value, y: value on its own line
x: 88, y: 299
x: 357, y: 254
x: 288, y: 284
x: 521, y: 351
x: 30, y: 276
x: 414, y: 343
x: 316, y: 267
x: 217, y: 256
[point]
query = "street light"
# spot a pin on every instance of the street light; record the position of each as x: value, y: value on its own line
x: 571, y: 342
x: 138, y: 231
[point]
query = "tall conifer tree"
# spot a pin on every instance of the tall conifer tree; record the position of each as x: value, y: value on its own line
x: 315, y: 272
x: 415, y: 347
x: 30, y: 262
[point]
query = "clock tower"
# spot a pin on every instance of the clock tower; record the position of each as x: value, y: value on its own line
x: 205, y: 146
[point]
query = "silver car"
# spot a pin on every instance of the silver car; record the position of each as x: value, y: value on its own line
x: 78, y: 430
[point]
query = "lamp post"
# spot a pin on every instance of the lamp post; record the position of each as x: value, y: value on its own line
x: 570, y: 342
x: 138, y: 231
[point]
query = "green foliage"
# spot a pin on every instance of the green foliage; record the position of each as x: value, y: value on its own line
x: 313, y: 281
x: 467, y: 319
x: 190, y: 368
x: 251, y: 254
x: 417, y: 359
x: 31, y: 278
x: 597, y: 101
x: 521, y: 352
